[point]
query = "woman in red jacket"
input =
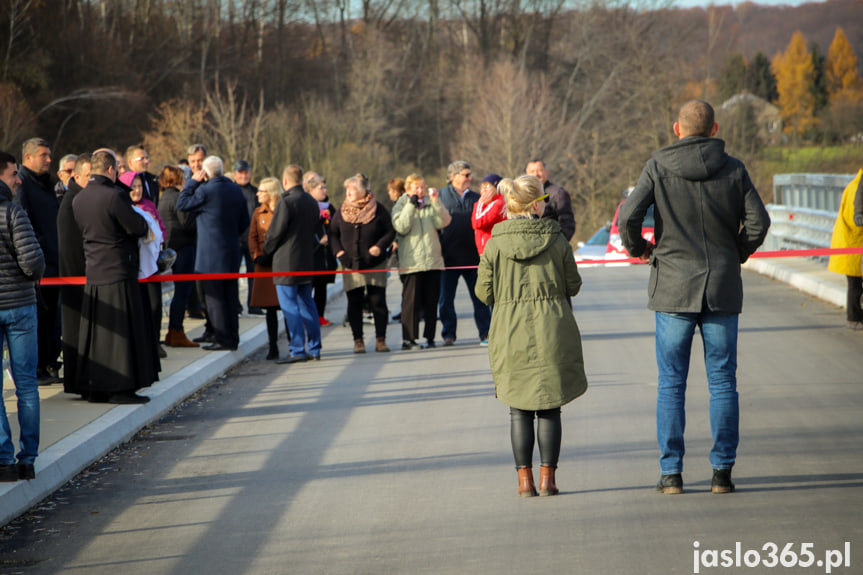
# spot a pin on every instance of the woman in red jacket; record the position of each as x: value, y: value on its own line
x: 489, y: 210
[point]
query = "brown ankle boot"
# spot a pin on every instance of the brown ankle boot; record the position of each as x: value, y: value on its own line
x: 546, y: 481
x: 381, y: 344
x: 359, y: 346
x: 177, y: 338
x: 526, y: 487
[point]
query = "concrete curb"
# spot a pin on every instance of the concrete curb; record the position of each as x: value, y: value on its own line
x: 65, y: 459
x: 805, y: 282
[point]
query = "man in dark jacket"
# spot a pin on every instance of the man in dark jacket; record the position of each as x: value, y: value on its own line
x: 459, y: 251
x: 291, y: 242
x: 559, y: 204
x: 72, y: 264
x: 37, y: 197
x: 221, y: 216
x: 243, y: 178
x: 21, y: 265
x: 709, y: 220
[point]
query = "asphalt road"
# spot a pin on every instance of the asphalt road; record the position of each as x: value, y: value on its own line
x: 400, y: 463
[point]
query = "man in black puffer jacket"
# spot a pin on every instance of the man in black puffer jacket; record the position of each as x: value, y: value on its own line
x: 21, y: 266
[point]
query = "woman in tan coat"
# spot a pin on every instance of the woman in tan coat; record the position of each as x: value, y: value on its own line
x: 263, y: 290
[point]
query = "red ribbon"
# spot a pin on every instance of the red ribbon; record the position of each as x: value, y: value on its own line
x: 81, y: 280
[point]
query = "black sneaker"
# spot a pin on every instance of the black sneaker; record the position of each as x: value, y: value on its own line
x: 410, y: 345
x: 430, y: 344
x: 722, y: 481
x: 8, y: 473
x: 26, y: 471
x: 670, y: 484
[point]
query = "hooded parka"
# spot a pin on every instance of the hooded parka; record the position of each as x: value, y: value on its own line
x: 847, y: 233
x: 527, y: 272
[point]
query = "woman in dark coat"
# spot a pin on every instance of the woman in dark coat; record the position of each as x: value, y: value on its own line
x: 324, y: 260
x: 180, y: 236
x: 361, y: 234
x: 263, y: 291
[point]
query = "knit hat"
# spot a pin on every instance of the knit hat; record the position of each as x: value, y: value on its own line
x: 492, y: 179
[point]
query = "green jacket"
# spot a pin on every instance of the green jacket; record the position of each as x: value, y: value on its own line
x: 527, y: 272
x: 418, y: 239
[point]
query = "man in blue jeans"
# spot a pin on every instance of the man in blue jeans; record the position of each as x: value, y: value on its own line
x: 709, y: 220
x: 460, y: 255
x: 291, y: 241
x: 22, y: 264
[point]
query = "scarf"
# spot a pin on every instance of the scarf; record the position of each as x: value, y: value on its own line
x: 361, y: 212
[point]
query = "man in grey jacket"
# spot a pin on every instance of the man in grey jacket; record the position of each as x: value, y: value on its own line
x: 21, y: 266
x: 709, y: 220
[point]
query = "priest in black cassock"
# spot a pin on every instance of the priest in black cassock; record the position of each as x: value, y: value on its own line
x: 117, y: 352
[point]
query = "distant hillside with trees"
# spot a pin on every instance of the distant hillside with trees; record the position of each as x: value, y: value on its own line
x: 407, y: 86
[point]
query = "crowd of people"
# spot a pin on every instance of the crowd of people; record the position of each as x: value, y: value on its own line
x: 110, y: 220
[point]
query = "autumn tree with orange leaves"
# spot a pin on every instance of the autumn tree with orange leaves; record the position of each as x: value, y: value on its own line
x: 843, y: 79
x: 795, y: 71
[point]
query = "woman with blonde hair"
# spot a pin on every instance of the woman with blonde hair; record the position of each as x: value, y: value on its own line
x: 528, y: 273
x: 263, y: 290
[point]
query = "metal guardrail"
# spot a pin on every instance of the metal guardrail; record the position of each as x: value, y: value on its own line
x: 804, y: 210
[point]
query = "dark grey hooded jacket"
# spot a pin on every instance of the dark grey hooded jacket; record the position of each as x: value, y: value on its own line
x: 709, y: 220
x: 21, y: 260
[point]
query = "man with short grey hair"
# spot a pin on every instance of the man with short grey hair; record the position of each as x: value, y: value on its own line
x: 36, y: 195
x: 221, y: 215
x: 460, y: 255
x: 64, y: 174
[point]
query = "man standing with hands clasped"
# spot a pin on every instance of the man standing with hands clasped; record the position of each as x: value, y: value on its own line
x: 709, y: 220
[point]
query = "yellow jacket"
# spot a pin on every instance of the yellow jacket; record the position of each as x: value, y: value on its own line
x: 846, y: 234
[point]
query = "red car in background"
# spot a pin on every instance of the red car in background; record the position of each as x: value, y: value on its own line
x: 615, y: 249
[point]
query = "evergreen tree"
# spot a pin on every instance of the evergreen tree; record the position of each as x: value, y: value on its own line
x: 819, y: 77
x: 760, y: 79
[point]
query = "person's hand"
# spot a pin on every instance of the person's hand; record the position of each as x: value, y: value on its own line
x: 414, y: 199
x: 374, y: 251
x: 200, y: 176
x: 433, y: 194
x: 645, y: 256
x: 487, y: 195
x: 325, y: 240
x: 340, y: 254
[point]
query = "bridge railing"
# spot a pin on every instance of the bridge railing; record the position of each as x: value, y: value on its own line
x: 804, y: 210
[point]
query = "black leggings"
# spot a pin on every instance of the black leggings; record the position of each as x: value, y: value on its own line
x: 377, y: 304
x: 548, y: 435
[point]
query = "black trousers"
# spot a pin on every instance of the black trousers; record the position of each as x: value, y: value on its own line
x: 548, y: 434
x: 221, y: 298
x: 48, y: 326
x: 378, y: 305
x: 420, y: 291
x: 853, y: 303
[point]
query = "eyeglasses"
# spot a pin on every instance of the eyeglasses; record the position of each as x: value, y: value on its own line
x: 141, y: 159
x: 542, y: 198
x: 467, y: 175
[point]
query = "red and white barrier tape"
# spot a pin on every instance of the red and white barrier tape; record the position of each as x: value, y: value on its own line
x: 81, y: 280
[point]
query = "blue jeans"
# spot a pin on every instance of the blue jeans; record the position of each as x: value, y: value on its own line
x: 674, y: 334
x: 448, y: 318
x: 300, y: 311
x: 18, y: 328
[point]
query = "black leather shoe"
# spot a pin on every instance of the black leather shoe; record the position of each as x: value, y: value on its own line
x: 8, y: 473
x: 26, y: 471
x: 670, y: 484
x: 218, y: 347
x: 293, y: 359
x: 721, y: 481
x: 205, y: 338
x: 256, y: 311
x: 128, y: 398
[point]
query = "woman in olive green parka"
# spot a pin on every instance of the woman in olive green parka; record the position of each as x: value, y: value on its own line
x: 527, y: 273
